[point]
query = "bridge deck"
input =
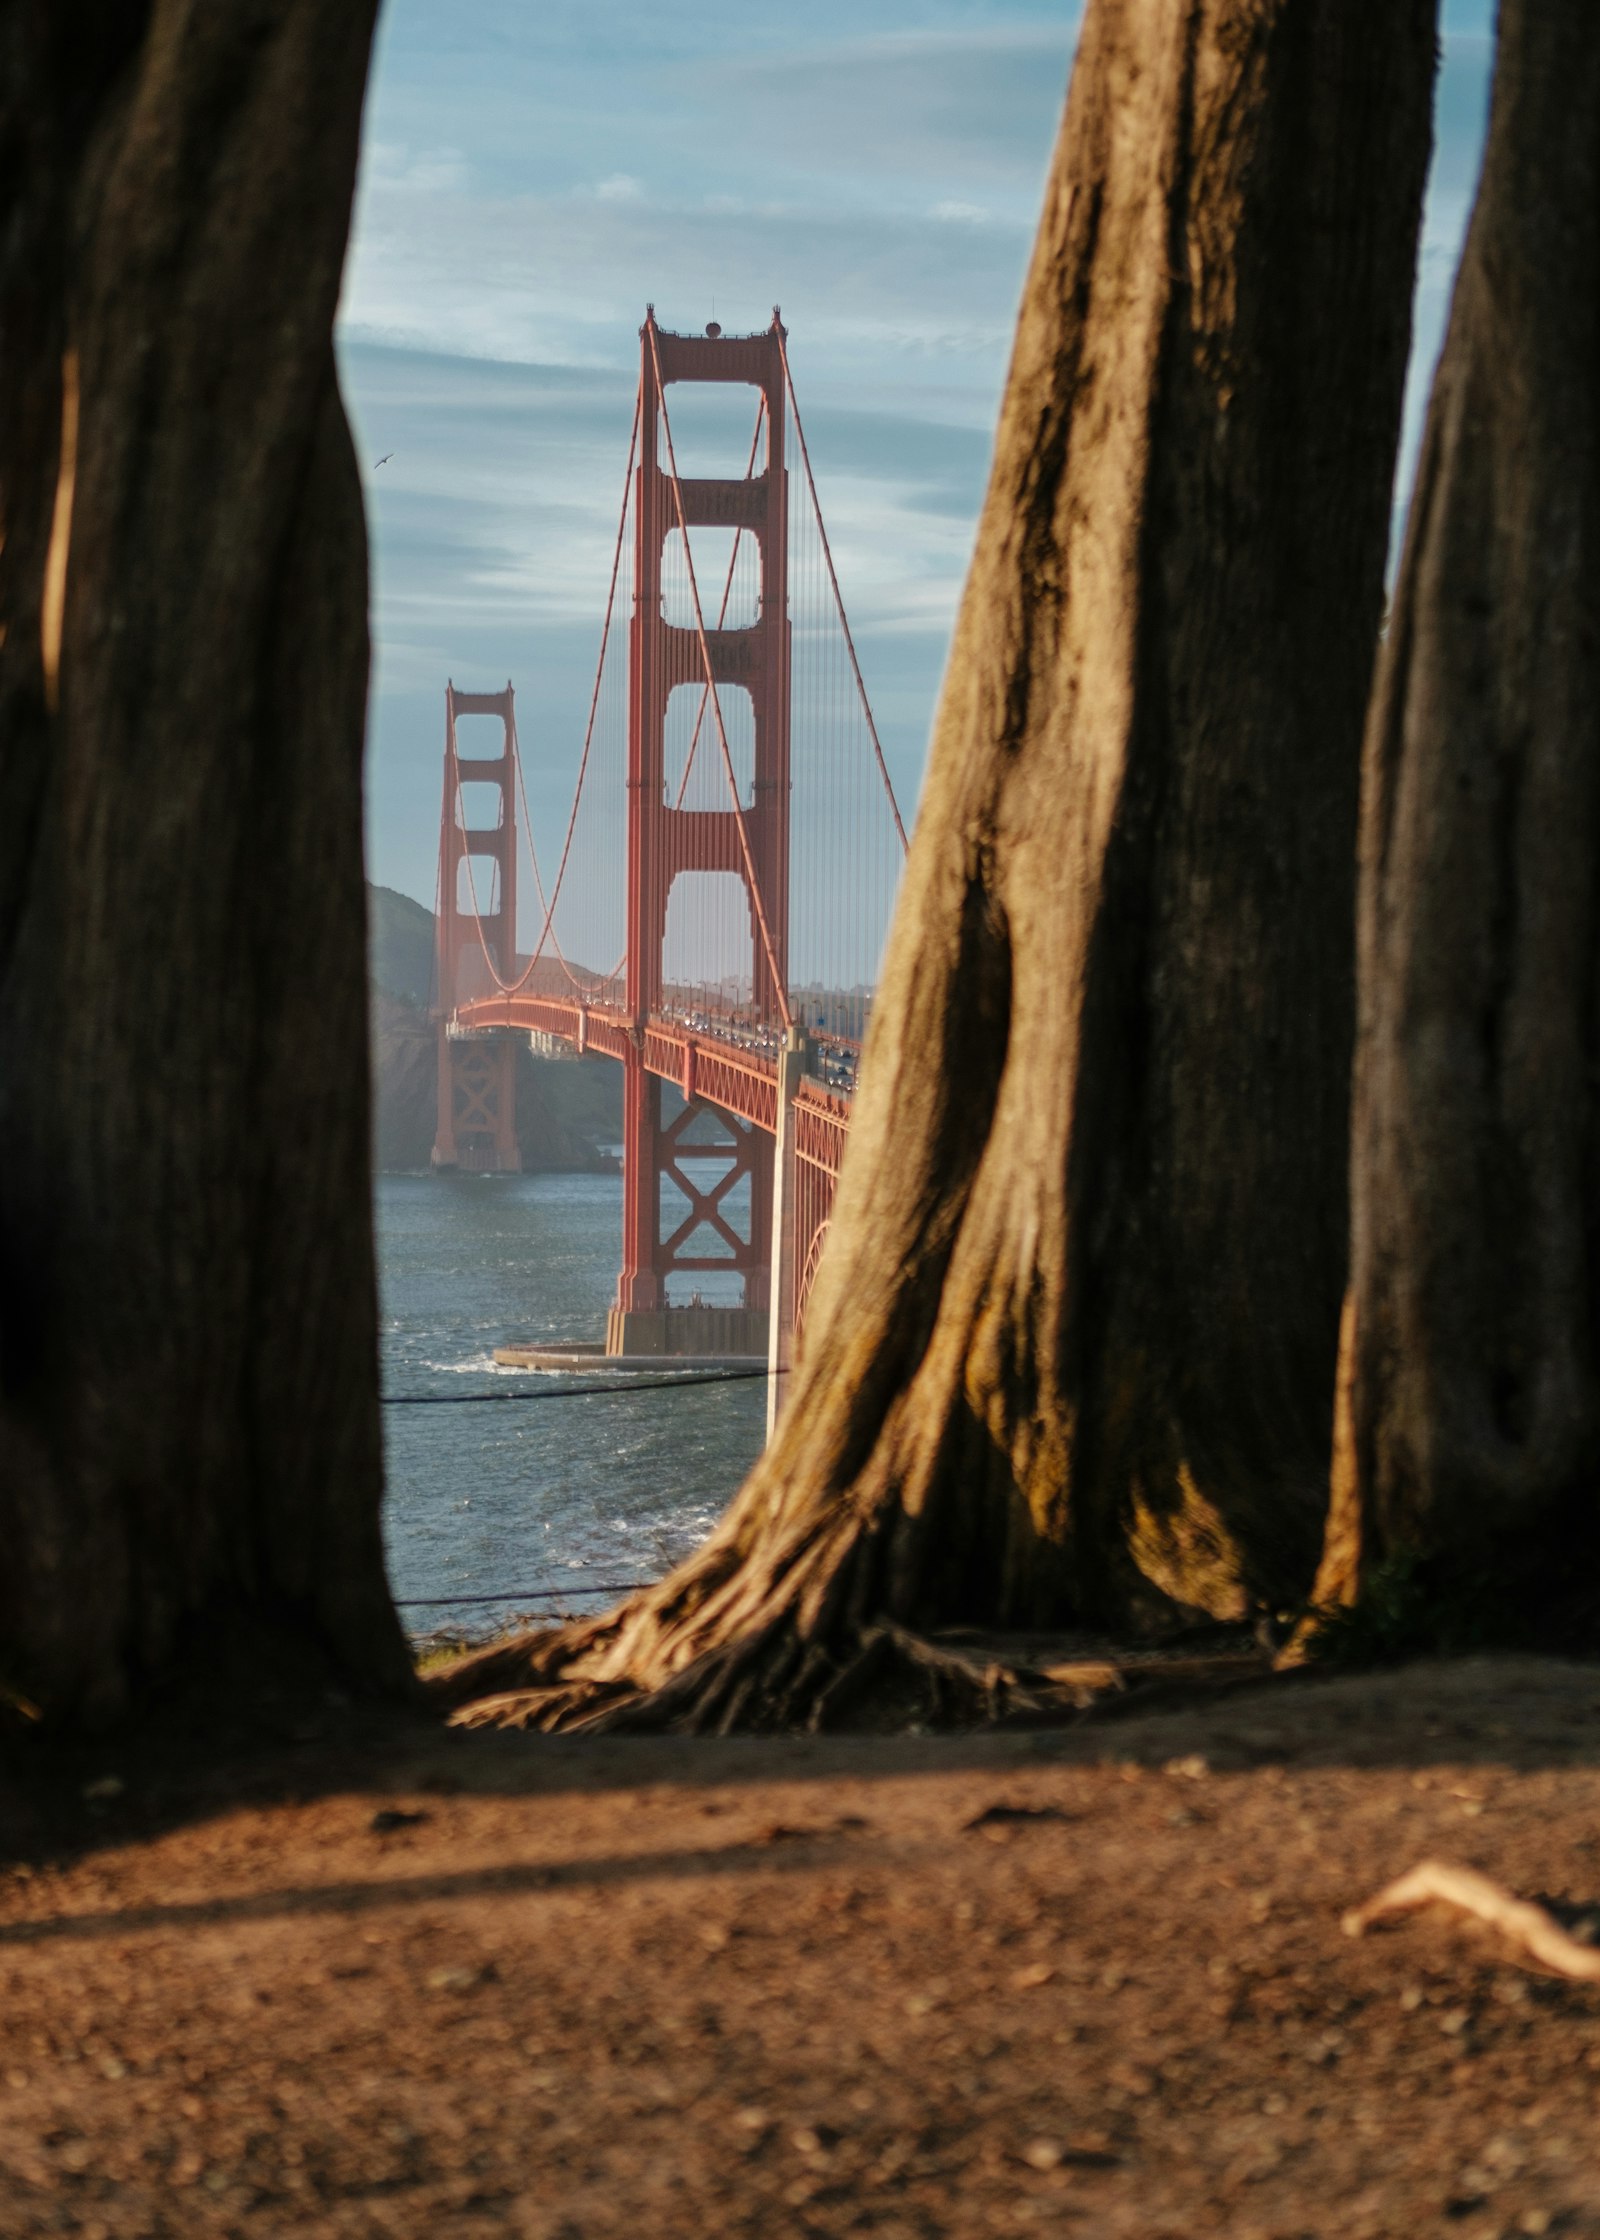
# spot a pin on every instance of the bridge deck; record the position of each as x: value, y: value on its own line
x: 739, y: 1076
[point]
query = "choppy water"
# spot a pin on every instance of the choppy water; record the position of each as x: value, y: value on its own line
x: 511, y: 1500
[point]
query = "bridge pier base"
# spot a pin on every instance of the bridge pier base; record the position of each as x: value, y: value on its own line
x: 687, y: 1333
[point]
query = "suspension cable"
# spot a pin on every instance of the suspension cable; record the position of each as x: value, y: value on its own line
x: 838, y: 599
x: 533, y: 853
x: 511, y: 988
x: 588, y: 735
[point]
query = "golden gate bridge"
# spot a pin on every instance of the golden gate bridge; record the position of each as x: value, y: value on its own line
x: 723, y: 887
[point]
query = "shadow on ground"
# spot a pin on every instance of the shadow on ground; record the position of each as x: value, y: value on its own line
x: 1521, y: 1714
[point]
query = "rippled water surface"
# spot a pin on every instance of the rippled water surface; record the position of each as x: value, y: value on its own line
x: 513, y: 1501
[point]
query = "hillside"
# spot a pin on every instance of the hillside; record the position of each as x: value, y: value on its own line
x: 567, y: 1113
x: 400, y: 945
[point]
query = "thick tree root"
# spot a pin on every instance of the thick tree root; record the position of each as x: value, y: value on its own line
x: 776, y: 1679
x: 1539, y: 1934
x: 729, y: 1640
x: 798, y: 1626
x: 773, y: 1679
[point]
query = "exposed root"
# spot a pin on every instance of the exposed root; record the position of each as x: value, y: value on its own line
x: 963, y: 1683
x: 17, y: 1711
x: 781, y: 1674
x: 797, y: 1623
x: 772, y: 1677
x: 506, y: 1668
x: 1539, y: 1934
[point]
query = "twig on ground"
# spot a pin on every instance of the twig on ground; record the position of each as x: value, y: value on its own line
x: 1538, y: 1932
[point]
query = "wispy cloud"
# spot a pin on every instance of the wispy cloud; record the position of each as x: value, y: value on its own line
x: 532, y: 177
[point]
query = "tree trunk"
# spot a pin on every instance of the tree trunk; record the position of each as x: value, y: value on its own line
x: 1469, y: 1422
x: 1071, y: 1354
x: 189, y: 1442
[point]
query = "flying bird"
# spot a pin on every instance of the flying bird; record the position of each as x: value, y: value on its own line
x: 384, y: 461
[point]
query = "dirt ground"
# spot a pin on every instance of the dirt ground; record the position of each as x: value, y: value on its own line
x: 1087, y: 1980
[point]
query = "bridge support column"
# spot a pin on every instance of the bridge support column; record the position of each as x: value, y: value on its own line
x: 640, y: 1289
x: 784, y: 1279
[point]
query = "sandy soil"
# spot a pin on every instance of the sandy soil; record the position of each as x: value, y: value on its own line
x: 1079, y: 1981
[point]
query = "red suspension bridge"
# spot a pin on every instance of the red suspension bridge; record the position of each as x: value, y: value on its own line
x: 715, y: 914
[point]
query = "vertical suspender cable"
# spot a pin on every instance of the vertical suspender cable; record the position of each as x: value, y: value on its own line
x: 827, y: 554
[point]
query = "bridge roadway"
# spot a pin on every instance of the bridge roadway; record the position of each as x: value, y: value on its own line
x: 737, y: 1076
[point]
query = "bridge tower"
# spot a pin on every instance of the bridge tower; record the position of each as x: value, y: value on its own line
x: 666, y: 842
x: 476, y: 936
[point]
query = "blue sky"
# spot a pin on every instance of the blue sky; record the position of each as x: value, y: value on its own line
x: 533, y: 175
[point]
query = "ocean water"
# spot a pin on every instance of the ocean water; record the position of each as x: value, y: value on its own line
x: 529, y: 1506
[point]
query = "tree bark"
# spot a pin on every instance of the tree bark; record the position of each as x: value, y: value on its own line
x: 1071, y: 1353
x: 189, y: 1441
x: 1469, y: 1420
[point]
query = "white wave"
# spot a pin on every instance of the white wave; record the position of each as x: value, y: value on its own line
x: 477, y: 1365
